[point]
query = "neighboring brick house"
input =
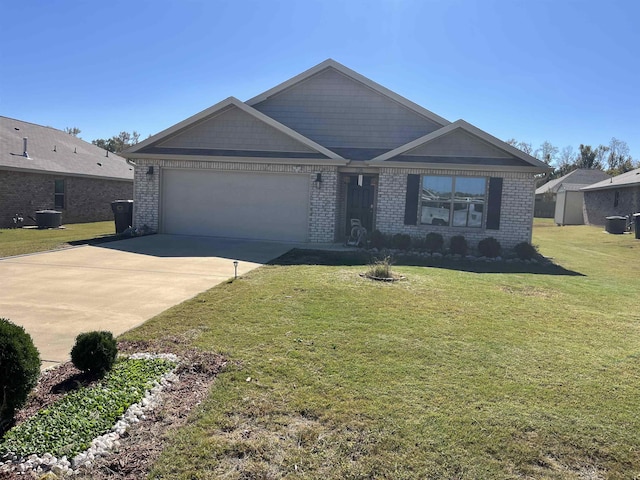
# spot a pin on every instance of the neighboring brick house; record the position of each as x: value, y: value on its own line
x: 301, y: 160
x: 619, y: 195
x: 42, y: 168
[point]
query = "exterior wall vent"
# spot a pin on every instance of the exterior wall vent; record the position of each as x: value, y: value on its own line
x: 24, y: 149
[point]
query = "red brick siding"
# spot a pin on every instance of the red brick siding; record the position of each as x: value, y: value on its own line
x: 86, y: 199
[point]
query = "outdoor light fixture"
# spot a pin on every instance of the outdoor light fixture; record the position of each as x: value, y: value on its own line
x: 150, y: 170
x: 235, y: 267
x: 318, y: 180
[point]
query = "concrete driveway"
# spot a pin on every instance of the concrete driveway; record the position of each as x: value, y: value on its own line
x: 116, y: 286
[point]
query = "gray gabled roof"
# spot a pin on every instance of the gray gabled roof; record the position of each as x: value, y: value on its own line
x: 53, y: 151
x: 580, y: 176
x: 628, y: 179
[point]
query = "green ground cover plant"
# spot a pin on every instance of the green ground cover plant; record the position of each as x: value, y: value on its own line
x: 20, y: 241
x: 68, y: 426
x: 449, y: 374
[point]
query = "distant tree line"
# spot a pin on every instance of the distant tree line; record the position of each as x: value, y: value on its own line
x: 613, y: 158
x: 115, y: 144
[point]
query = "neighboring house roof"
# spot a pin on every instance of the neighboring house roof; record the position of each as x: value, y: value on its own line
x: 52, y: 151
x: 580, y: 176
x: 628, y: 179
x: 333, y: 114
x: 571, y: 187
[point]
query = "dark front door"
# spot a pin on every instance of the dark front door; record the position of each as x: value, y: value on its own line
x: 360, y: 201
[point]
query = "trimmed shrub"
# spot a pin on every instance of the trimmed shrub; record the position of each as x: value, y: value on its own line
x: 377, y: 239
x: 489, y: 247
x: 94, y: 352
x: 434, y: 242
x: 525, y: 251
x: 19, y: 369
x: 458, y: 245
x: 401, y: 241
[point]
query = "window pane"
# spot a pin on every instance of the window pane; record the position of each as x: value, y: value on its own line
x: 436, y: 200
x: 59, y: 202
x: 455, y: 201
x: 435, y: 213
x: 437, y: 188
x: 470, y: 188
x: 59, y: 186
x: 467, y: 214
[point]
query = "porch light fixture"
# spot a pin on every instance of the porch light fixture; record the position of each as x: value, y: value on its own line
x: 150, y: 170
x: 318, y: 180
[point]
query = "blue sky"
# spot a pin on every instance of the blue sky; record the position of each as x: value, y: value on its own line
x: 565, y: 71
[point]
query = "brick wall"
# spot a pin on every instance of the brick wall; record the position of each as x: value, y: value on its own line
x: 86, y: 199
x: 516, y: 209
x: 599, y: 204
x: 322, y: 201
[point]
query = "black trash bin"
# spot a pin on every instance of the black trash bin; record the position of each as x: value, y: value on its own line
x: 616, y: 224
x: 48, y: 218
x: 122, y: 214
x: 636, y: 224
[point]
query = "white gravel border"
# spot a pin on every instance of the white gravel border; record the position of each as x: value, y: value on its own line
x: 102, y: 445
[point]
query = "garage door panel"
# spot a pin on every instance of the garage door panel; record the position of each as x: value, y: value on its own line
x: 232, y: 204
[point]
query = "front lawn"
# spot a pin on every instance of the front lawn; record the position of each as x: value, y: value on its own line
x: 21, y: 241
x: 448, y: 374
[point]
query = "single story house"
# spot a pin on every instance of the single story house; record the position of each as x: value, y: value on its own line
x: 301, y: 160
x: 546, y: 194
x: 42, y: 168
x: 619, y: 195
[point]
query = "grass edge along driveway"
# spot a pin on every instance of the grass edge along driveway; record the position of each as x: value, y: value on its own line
x: 449, y: 374
x: 22, y: 241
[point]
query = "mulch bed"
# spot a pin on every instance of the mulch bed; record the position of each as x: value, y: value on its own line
x: 143, y: 442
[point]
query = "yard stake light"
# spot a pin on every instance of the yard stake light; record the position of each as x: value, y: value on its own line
x: 235, y: 267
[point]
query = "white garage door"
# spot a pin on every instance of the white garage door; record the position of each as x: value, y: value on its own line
x: 261, y: 206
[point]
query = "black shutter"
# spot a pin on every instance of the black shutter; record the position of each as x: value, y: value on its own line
x: 494, y: 204
x: 411, y: 200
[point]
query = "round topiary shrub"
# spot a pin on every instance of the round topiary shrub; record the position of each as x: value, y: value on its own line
x: 401, y: 241
x: 489, y: 247
x: 434, y: 242
x: 94, y: 352
x: 458, y: 245
x: 376, y: 239
x: 19, y: 369
x: 525, y: 251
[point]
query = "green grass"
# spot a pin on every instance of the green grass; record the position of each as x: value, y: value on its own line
x: 448, y: 374
x: 30, y: 240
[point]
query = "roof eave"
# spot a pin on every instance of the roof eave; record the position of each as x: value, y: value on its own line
x: 65, y: 174
x: 609, y: 186
x: 208, y: 158
x: 453, y: 166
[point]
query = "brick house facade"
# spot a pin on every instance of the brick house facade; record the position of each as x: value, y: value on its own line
x: 60, y: 172
x: 331, y: 145
x: 619, y: 195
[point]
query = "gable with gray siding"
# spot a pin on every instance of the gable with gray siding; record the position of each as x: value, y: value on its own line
x: 336, y: 111
x: 233, y: 129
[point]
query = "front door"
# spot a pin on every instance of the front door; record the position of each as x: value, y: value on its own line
x: 360, y: 201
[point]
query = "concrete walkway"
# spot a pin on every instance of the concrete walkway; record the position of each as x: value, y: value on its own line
x: 117, y: 285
